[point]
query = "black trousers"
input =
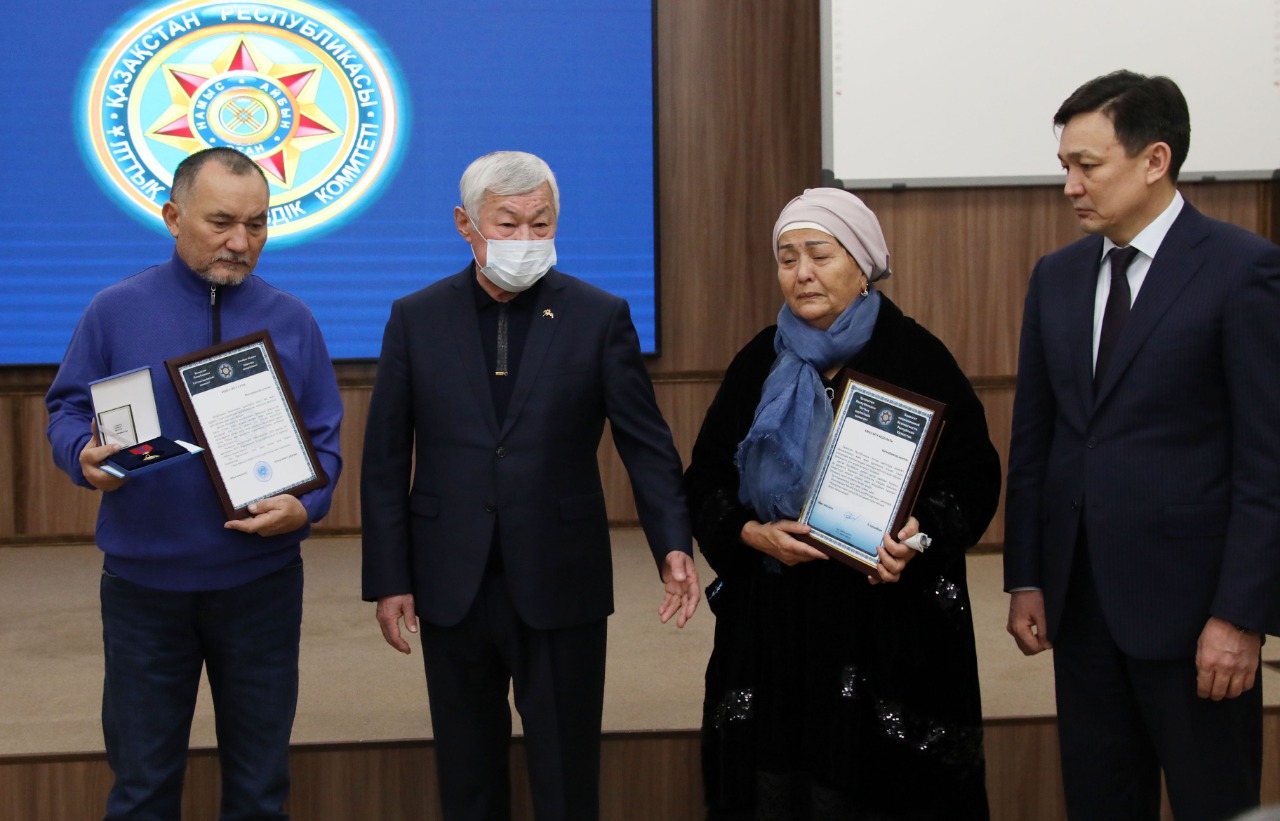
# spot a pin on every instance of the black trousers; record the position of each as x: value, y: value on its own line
x: 1122, y: 720
x: 558, y: 681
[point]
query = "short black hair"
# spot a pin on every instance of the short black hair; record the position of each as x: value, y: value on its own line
x: 1143, y: 110
x: 234, y: 161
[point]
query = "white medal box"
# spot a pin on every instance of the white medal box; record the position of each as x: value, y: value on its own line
x: 124, y: 406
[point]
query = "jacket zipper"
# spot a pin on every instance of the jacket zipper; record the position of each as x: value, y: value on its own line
x: 217, y: 314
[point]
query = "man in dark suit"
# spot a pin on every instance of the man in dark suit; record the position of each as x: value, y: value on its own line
x: 1142, y: 534
x: 483, y: 510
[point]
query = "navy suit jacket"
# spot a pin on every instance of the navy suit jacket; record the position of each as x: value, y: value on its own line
x: 428, y: 526
x: 1173, y: 465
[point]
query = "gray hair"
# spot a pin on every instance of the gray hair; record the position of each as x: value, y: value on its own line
x: 505, y: 173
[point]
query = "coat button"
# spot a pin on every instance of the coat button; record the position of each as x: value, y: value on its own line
x: 490, y: 507
x: 501, y: 452
x: 1075, y: 505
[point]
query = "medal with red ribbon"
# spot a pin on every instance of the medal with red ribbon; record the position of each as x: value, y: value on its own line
x: 145, y: 452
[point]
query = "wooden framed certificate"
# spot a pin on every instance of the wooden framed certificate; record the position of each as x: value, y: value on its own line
x: 244, y: 415
x: 871, y: 469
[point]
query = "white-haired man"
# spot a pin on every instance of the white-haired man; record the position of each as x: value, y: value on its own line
x: 483, y: 510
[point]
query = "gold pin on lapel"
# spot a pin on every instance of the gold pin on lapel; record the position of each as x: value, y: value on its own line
x: 548, y: 313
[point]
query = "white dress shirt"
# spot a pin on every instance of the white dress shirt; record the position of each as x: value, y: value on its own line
x: 1147, y: 242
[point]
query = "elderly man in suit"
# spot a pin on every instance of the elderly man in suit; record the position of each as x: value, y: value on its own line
x: 1142, y: 534
x: 483, y: 510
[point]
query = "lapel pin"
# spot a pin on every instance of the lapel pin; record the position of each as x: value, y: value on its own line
x: 548, y: 313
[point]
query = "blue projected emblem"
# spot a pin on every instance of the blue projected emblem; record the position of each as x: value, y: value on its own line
x: 301, y: 89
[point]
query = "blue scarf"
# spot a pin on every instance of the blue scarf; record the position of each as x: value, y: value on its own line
x: 777, y: 458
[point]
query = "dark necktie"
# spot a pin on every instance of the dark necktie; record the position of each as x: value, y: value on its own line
x: 504, y: 342
x: 1116, y: 311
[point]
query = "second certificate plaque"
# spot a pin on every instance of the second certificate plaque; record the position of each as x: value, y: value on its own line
x: 871, y: 469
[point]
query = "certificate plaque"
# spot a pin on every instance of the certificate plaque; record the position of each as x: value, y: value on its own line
x: 243, y: 413
x: 871, y: 469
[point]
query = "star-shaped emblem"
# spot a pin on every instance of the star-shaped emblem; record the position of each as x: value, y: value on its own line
x: 243, y: 100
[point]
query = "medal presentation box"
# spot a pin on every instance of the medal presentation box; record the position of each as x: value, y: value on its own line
x: 124, y: 406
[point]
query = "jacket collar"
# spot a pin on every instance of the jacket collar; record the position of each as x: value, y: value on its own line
x: 465, y: 333
x: 192, y: 285
x: 1180, y: 258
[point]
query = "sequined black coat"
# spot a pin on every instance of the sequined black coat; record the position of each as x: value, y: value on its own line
x: 827, y: 697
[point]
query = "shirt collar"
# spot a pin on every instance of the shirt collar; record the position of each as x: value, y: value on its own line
x: 485, y: 301
x: 1149, y: 239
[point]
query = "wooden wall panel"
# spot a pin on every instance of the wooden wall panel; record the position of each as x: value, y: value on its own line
x: 659, y: 778
x: 683, y: 404
x: 1024, y: 779
x: 997, y: 400
x: 1023, y: 772
x: 1247, y: 204
x: 11, y: 438
x: 1271, y: 758
x: 54, y: 789
x: 52, y: 507
x: 961, y: 261
x: 39, y: 502
x: 64, y: 788
x: 739, y: 135
x: 652, y: 775
x: 642, y: 775
x: 344, y: 515
x: 375, y: 781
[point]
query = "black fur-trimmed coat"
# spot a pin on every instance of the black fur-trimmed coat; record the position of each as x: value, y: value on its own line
x: 826, y: 696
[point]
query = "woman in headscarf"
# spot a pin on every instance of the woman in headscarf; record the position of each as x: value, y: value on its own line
x: 829, y: 697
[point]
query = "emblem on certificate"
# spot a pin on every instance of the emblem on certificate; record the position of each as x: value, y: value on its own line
x: 871, y: 469
x: 243, y: 413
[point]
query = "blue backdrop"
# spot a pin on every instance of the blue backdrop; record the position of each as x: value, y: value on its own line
x: 85, y: 98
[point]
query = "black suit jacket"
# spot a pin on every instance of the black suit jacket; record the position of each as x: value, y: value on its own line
x: 428, y: 526
x: 1173, y: 466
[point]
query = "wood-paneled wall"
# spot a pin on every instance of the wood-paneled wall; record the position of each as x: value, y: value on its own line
x: 738, y: 136
x: 642, y: 776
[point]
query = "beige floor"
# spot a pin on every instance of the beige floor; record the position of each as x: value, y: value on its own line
x: 356, y: 688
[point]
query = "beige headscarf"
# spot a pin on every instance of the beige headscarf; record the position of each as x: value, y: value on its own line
x: 843, y: 216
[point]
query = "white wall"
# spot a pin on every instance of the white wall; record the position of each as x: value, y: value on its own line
x: 933, y: 92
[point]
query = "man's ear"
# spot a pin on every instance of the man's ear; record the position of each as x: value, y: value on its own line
x: 171, y: 213
x: 462, y: 222
x: 1159, y: 161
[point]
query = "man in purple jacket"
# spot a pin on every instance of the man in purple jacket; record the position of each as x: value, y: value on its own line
x: 183, y: 588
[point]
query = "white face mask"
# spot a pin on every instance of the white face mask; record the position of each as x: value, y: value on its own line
x: 516, y: 264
